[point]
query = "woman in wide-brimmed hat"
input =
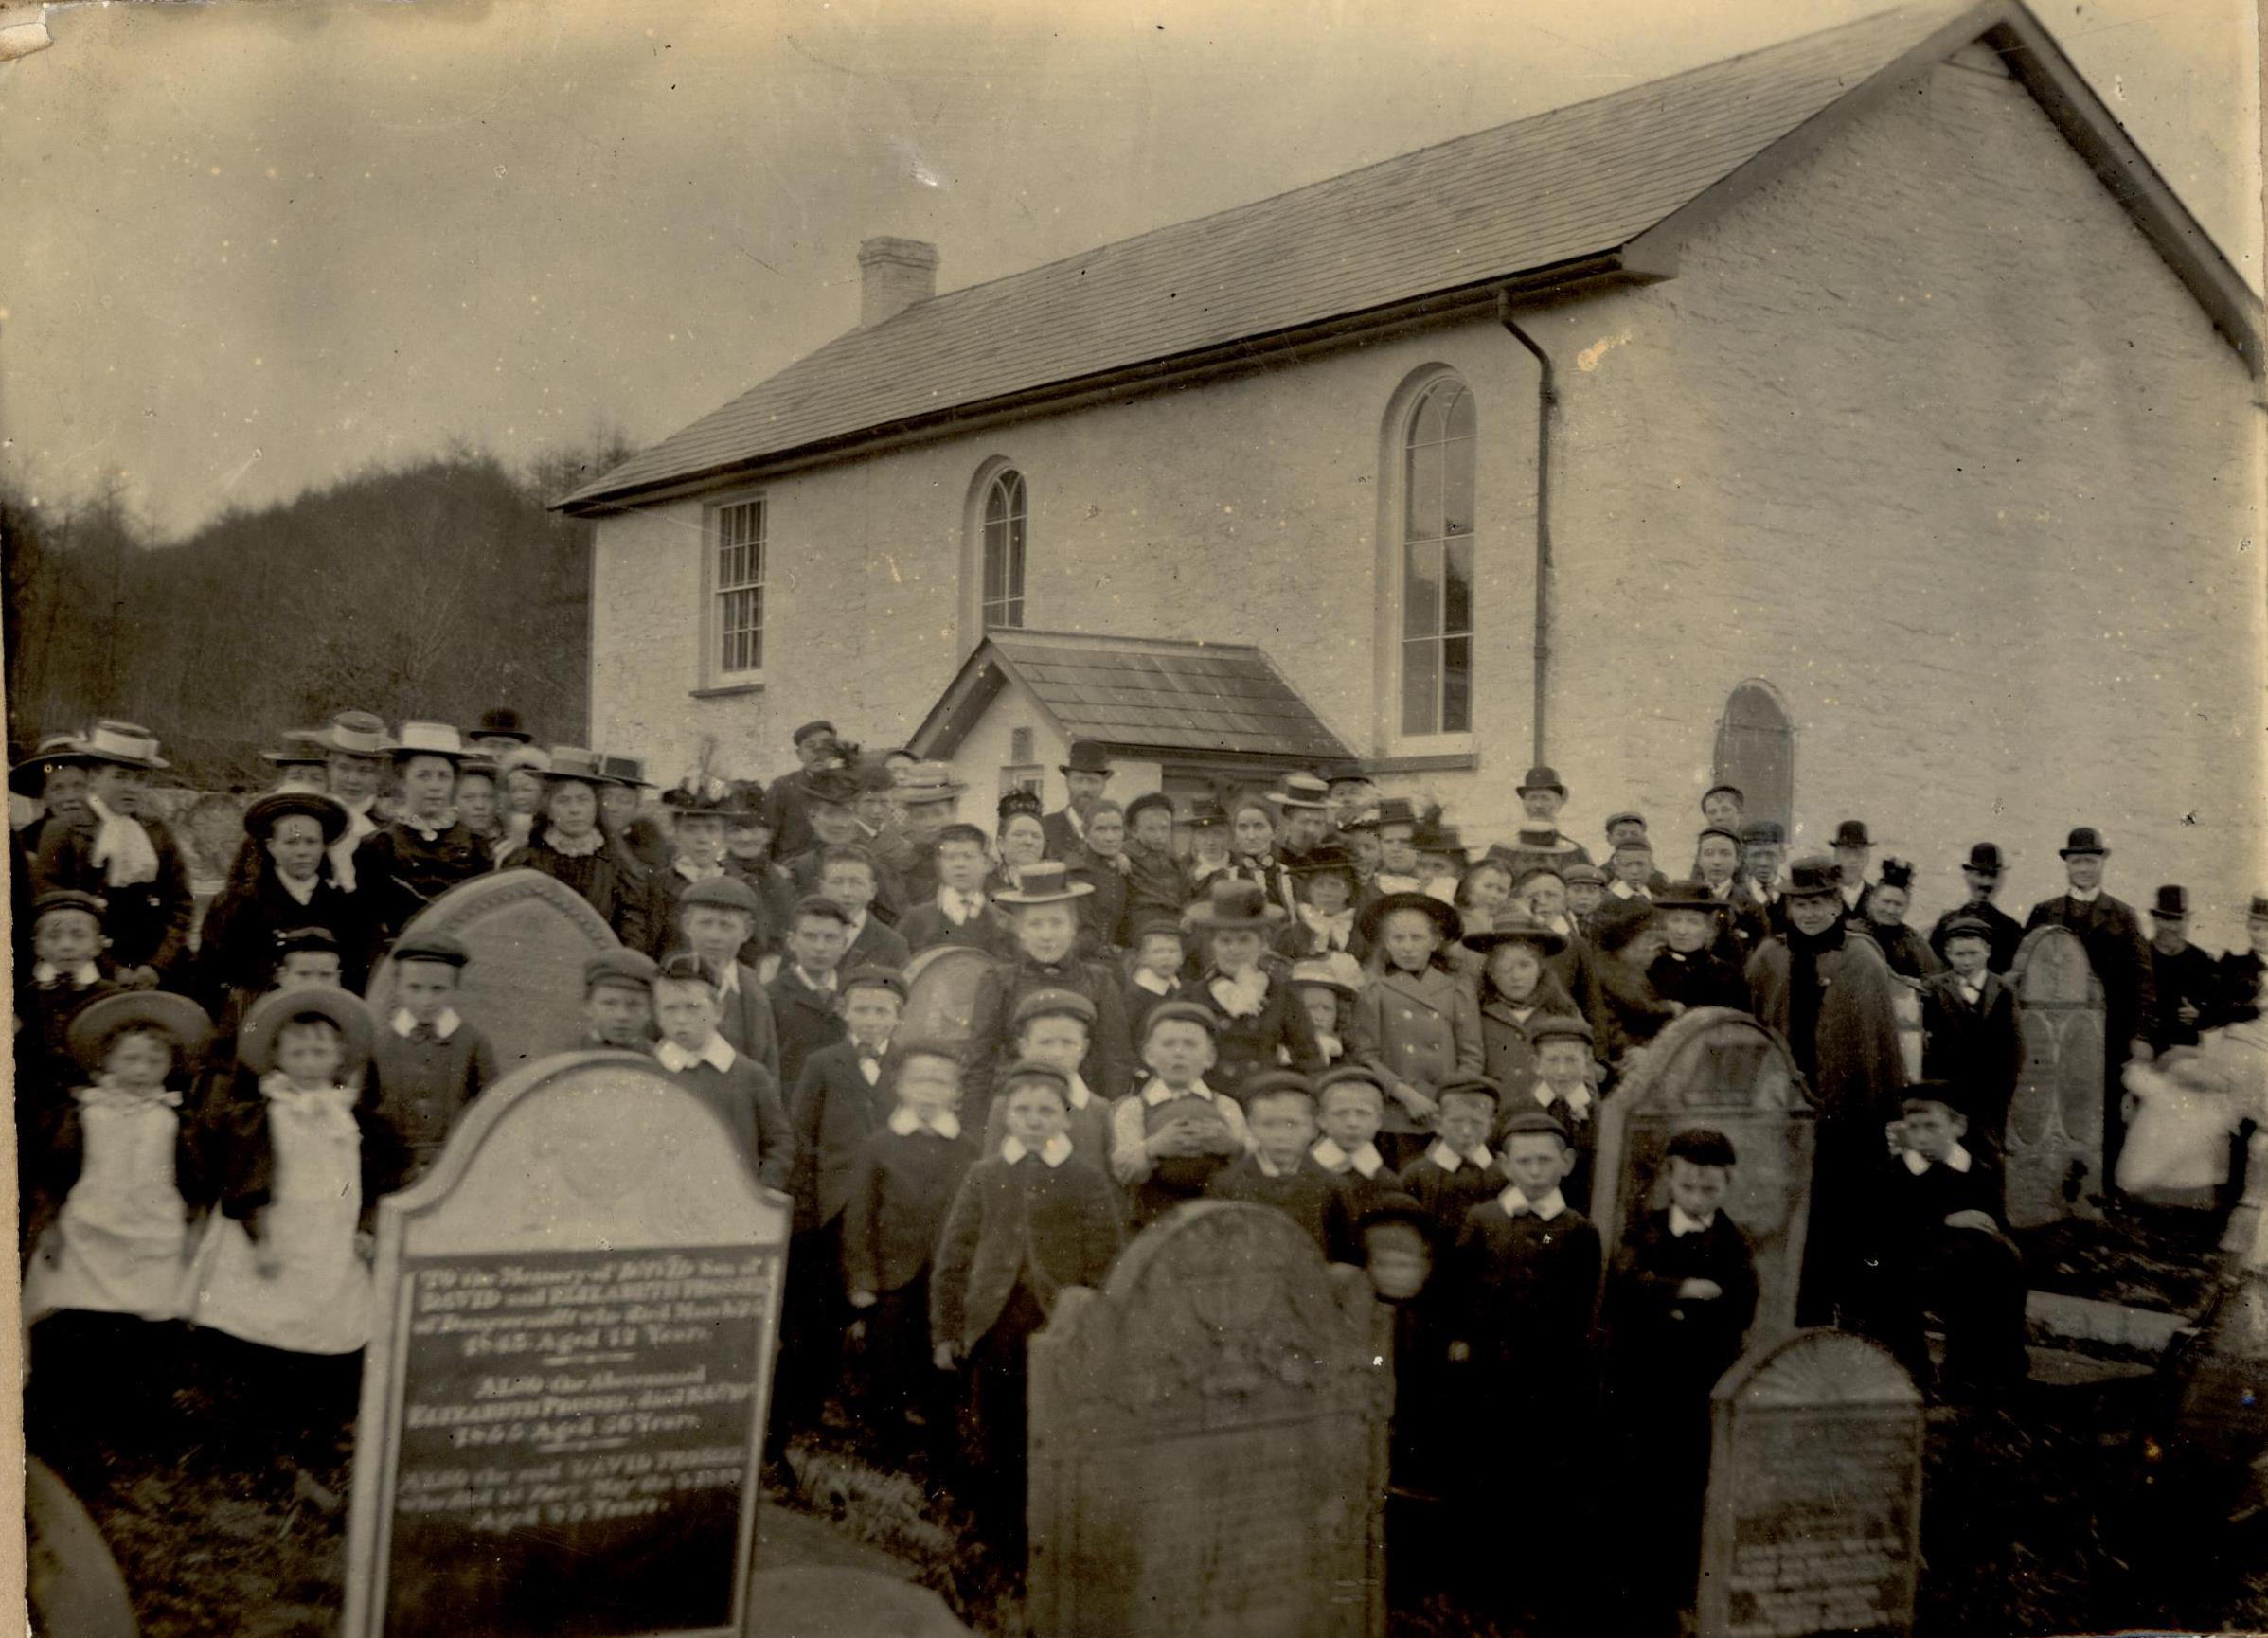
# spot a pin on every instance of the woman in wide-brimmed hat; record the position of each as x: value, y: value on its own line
x: 425, y: 850
x: 1260, y: 1021
x: 282, y: 880
x: 128, y: 857
x: 570, y: 843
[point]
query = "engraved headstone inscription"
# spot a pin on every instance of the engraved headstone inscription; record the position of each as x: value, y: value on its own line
x: 529, y: 936
x: 1815, y: 1503
x: 1208, y: 1440
x: 563, y: 1408
x: 1718, y: 1068
x: 2055, y: 1116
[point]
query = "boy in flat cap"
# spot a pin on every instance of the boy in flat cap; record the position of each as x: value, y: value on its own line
x: 1679, y: 1302
x: 1981, y: 874
x: 716, y: 918
x: 848, y: 875
x: 1939, y: 1249
x: 66, y: 972
x: 2119, y: 952
x: 1026, y: 1223
x: 618, y: 1002
x: 1561, y: 1089
x: 1741, y: 925
x: 1058, y: 1026
x: 900, y: 1189
x: 958, y: 910
x: 428, y: 1062
x: 1278, y: 1171
x: 1972, y: 1031
x: 739, y: 1088
x: 1168, y: 1139
x: 1348, y: 1103
x: 1763, y: 842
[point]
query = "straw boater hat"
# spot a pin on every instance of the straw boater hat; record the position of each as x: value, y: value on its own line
x: 429, y: 739
x: 1301, y: 790
x: 1513, y: 924
x: 1048, y: 881
x: 355, y: 733
x: 929, y: 782
x: 29, y: 777
x: 578, y: 763
x: 328, y: 811
x: 176, y: 1017
x: 1338, y: 970
x: 1231, y: 906
x: 1447, y: 923
x: 122, y: 745
x: 255, y: 1043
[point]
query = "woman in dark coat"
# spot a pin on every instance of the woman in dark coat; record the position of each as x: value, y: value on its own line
x: 570, y: 844
x: 281, y: 880
x: 1260, y: 1020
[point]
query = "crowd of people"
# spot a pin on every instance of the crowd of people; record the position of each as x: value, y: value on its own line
x: 1312, y: 997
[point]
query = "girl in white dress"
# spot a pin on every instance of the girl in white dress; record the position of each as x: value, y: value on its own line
x: 284, y: 1263
x: 112, y: 1183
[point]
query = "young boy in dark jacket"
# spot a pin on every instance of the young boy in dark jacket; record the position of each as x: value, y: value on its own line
x: 1026, y: 1223
x: 1280, y: 1111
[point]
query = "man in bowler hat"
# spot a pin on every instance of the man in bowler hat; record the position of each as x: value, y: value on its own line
x: 2186, y: 976
x: 2121, y: 958
x: 1982, y: 873
x: 1086, y: 772
x: 1854, y: 851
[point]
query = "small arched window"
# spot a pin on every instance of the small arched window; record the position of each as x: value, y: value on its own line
x: 1437, y: 512
x: 1756, y: 751
x: 1004, y: 520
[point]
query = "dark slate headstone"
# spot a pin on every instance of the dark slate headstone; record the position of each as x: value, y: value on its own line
x: 940, y: 992
x: 564, y: 1404
x: 2054, y: 1167
x: 1208, y: 1440
x: 1718, y: 1068
x: 529, y: 936
x: 1815, y: 1505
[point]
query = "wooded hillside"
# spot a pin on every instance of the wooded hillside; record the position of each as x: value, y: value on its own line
x: 432, y: 590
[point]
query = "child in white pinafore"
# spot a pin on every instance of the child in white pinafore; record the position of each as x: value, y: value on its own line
x: 111, y: 1182
x: 284, y: 1264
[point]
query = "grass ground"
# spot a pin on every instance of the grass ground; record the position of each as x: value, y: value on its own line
x: 226, y: 1526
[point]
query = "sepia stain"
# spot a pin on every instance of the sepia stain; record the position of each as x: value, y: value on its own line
x: 1588, y: 359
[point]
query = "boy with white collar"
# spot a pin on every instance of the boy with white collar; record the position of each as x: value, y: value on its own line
x: 740, y: 1089
x: 1349, y: 1106
x: 66, y: 972
x: 1026, y: 1224
x: 717, y: 918
x: 1458, y: 1170
x: 428, y: 1062
x: 1523, y: 1277
x: 1279, y: 1108
x: 902, y: 1185
x: 957, y: 910
x: 1055, y: 1026
x: 1170, y: 1137
x: 1563, y: 1044
x: 1939, y: 1249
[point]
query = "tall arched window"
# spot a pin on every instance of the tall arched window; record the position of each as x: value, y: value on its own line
x: 1004, y: 550
x: 1437, y: 560
x: 1756, y: 751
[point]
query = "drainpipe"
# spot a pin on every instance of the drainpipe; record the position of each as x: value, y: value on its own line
x: 1547, y: 399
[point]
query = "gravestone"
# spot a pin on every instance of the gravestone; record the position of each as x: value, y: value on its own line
x: 1208, y: 1440
x: 1813, y: 1518
x: 2054, y: 1150
x: 940, y: 992
x: 529, y: 936
x: 563, y: 1401
x: 1715, y: 1067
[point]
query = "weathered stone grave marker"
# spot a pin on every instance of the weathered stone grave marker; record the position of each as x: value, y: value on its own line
x: 1718, y: 1068
x: 1813, y: 1518
x: 940, y: 992
x: 563, y: 1409
x: 529, y: 936
x: 2055, y: 1118
x: 1208, y: 1440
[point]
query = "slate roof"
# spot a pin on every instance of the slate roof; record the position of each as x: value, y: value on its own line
x: 1140, y: 694
x: 1538, y: 197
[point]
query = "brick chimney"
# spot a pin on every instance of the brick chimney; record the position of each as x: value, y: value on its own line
x: 894, y: 274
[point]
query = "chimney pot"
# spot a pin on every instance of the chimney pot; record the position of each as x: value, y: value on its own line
x: 893, y: 274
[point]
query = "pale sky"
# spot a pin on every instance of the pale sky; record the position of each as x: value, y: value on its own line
x: 245, y: 248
